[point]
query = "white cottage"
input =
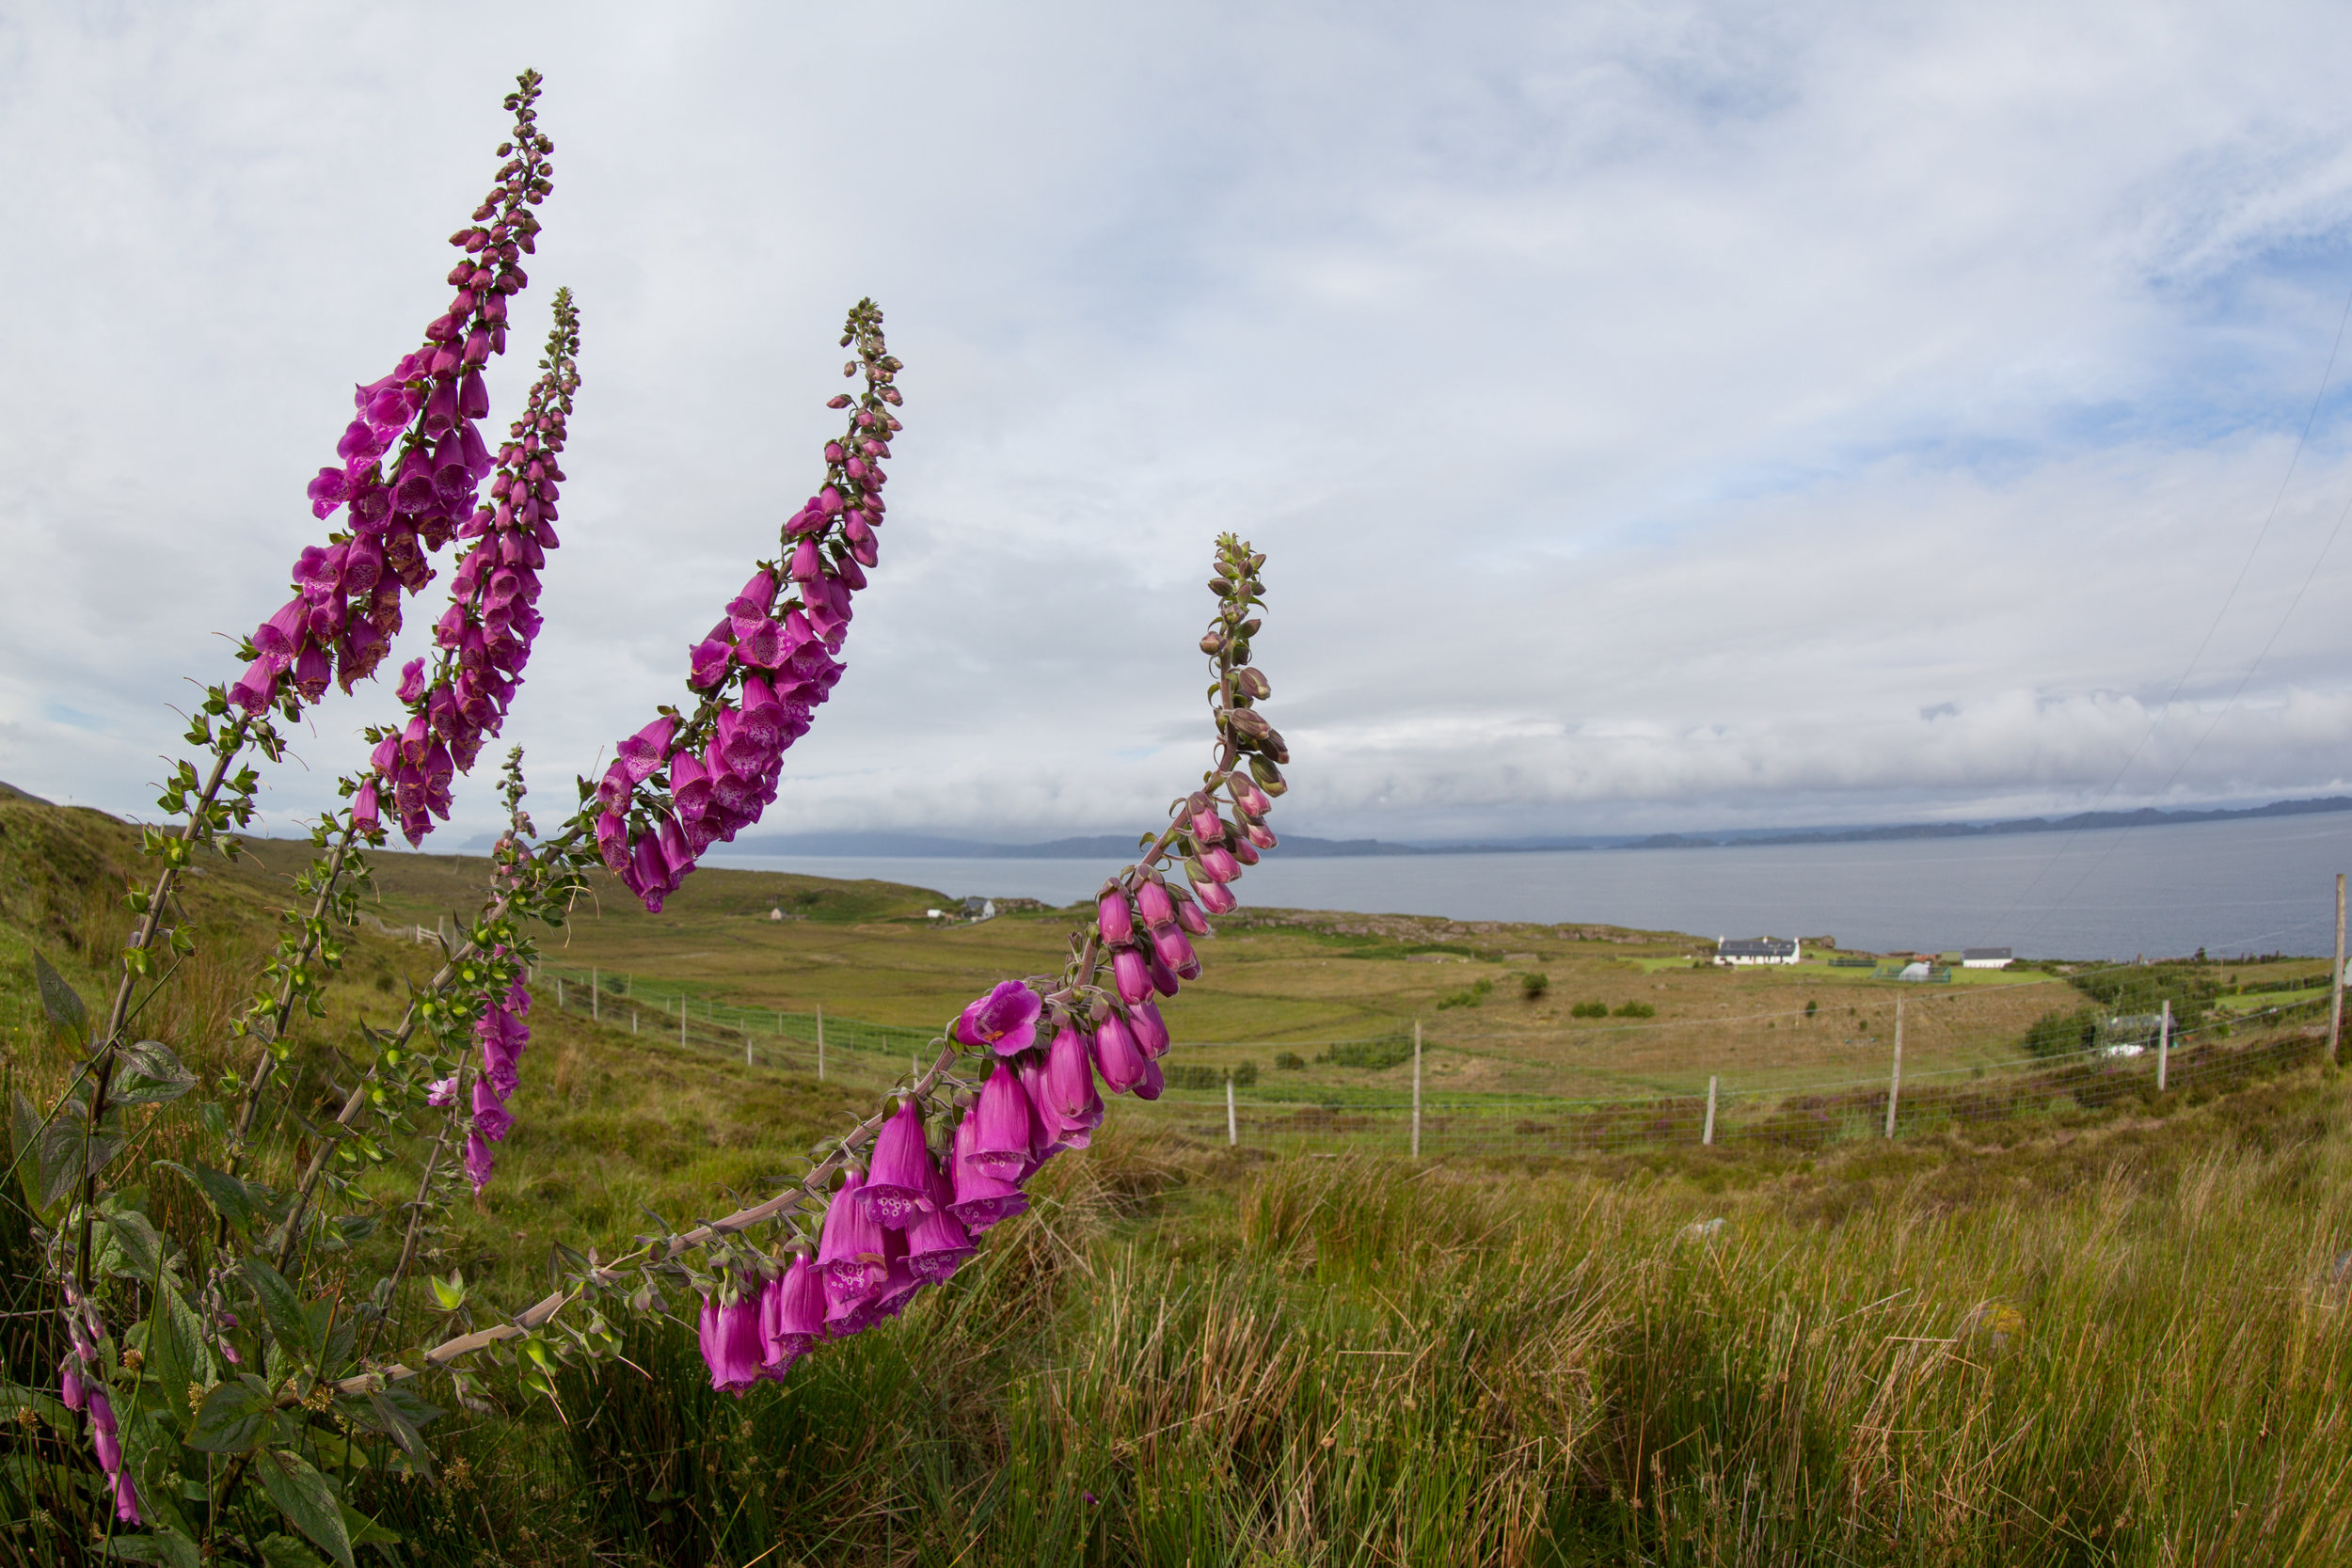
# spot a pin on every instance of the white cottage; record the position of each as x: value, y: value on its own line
x: 1756, y: 950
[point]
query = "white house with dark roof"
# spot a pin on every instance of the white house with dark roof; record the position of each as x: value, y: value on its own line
x: 1756, y: 950
x: 1984, y: 957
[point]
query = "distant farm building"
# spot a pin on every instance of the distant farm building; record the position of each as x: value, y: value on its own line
x: 1756, y: 950
x: 1984, y: 957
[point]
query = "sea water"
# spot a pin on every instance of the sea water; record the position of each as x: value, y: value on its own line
x: 2253, y: 885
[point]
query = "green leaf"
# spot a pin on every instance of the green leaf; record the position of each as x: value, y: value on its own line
x: 155, y: 1459
x: 154, y: 1075
x: 175, y: 1351
x: 281, y: 1550
x: 24, y: 1125
x: 15, y: 1397
x: 289, y: 1325
x: 303, y: 1496
x: 61, y: 1002
x: 230, y: 1198
x: 232, y: 1415
x: 130, y: 1246
x: 67, y: 1152
x: 365, y: 1531
x: 166, y: 1545
x: 398, y: 1419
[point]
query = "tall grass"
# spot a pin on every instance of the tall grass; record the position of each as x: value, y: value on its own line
x: 2125, y: 1350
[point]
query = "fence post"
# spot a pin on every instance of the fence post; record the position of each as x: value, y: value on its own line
x: 1707, y: 1137
x: 633, y: 1021
x: 1232, y: 1127
x: 1416, y: 1088
x: 559, y: 994
x: 1895, y: 1084
x: 681, y: 1018
x: 2335, y: 986
x: 596, y: 998
x: 2164, y: 1043
x: 747, y: 1048
x: 820, y: 1042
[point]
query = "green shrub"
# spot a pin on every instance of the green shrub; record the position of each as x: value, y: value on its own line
x: 1201, y: 1075
x: 1589, y: 1010
x: 1289, y: 1061
x: 2062, y: 1034
x: 1369, y: 1053
x: 1470, y: 998
x: 1533, y: 987
x: 1637, y: 1010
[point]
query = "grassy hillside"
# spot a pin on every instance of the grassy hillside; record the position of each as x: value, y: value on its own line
x: 2116, y: 1340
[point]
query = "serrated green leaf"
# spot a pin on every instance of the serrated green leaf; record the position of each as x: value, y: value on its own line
x: 230, y: 1198
x: 304, y: 1497
x: 61, y: 1002
x: 281, y: 1308
x: 232, y: 1415
x: 164, y: 1544
x: 154, y: 1458
x: 175, y: 1351
x: 130, y: 1246
x: 281, y: 1550
x: 67, y: 1152
x: 24, y: 1125
x: 154, y: 1075
x: 16, y: 1396
x: 388, y: 1415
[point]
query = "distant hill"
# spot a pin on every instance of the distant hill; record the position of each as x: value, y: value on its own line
x: 1298, y: 847
x: 1098, y: 847
x: 2147, y: 817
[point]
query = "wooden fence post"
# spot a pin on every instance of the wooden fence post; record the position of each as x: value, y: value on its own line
x: 1232, y: 1127
x: 1416, y: 1088
x: 2164, y: 1044
x: 559, y: 994
x: 1707, y: 1137
x: 1895, y: 1084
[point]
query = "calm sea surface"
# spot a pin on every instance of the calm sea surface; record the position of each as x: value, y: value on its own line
x: 2259, y: 885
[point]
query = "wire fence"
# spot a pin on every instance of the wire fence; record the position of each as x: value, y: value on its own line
x: 2134, y: 1061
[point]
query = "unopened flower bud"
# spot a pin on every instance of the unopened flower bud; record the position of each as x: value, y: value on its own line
x: 1112, y: 916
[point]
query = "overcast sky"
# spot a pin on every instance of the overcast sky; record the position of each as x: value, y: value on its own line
x: 1656, y: 415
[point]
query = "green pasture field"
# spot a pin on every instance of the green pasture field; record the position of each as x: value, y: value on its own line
x: 1280, y: 980
x: 2114, y: 1336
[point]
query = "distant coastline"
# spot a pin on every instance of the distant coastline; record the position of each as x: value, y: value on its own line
x: 1300, y: 846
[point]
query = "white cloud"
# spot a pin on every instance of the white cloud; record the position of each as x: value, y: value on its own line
x: 1648, y: 411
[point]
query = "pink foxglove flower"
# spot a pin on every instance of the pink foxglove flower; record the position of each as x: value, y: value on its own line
x: 1001, y: 1143
x: 849, y: 1249
x: 1117, y: 1058
x: 1151, y: 1030
x: 898, y: 1190
x: 1132, y: 974
x: 411, y: 457
x: 982, y: 1199
x: 1071, y: 1096
x: 1114, y: 919
x: 937, y: 1243
x: 758, y: 673
x: 1005, y: 1020
x: 791, y: 1316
